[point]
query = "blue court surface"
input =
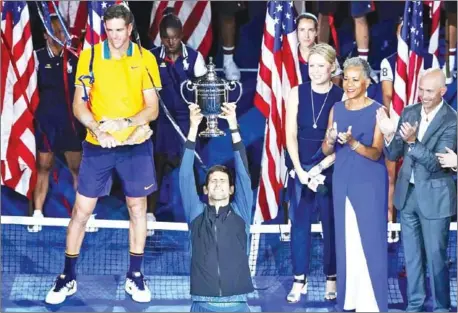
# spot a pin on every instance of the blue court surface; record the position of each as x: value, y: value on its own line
x: 31, y: 261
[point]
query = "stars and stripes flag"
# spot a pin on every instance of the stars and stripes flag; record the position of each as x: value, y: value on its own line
x: 409, y: 61
x: 75, y: 14
x: 278, y: 70
x: 196, y: 18
x: 95, y: 31
x: 19, y: 99
x: 435, y: 15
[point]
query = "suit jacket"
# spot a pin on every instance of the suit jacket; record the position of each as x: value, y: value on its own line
x: 434, y: 186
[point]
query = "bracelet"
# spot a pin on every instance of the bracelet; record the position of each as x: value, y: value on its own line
x: 234, y: 131
x: 355, y: 146
x: 454, y: 169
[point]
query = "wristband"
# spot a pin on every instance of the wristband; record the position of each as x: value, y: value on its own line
x: 355, y: 146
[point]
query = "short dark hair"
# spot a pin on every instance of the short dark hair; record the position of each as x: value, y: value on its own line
x: 118, y: 11
x: 53, y: 18
x: 219, y: 168
x: 169, y: 20
x: 307, y: 16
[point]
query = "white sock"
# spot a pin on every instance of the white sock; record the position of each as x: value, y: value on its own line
x: 451, y: 58
x: 37, y: 213
x: 363, y: 53
x: 228, y: 58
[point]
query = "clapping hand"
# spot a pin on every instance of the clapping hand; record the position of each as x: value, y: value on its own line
x: 331, y: 135
x: 408, y: 132
x: 346, y: 137
x: 384, y: 123
x: 448, y: 159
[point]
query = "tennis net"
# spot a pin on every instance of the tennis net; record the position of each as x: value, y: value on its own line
x: 31, y: 261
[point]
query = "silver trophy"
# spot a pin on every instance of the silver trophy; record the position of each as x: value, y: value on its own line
x: 210, y: 92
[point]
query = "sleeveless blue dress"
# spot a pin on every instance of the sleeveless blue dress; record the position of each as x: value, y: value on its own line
x: 360, y: 194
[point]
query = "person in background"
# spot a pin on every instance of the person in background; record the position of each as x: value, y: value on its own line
x: 425, y: 192
x: 226, y: 12
x: 307, y: 27
x: 56, y: 128
x: 450, y: 9
x: 308, y: 110
x: 359, y: 11
x: 220, y: 228
x: 177, y: 63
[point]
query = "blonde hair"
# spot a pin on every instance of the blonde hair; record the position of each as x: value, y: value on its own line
x: 326, y: 51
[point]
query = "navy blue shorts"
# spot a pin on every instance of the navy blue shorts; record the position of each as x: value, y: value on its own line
x: 133, y: 164
x: 55, y: 138
x: 358, y: 8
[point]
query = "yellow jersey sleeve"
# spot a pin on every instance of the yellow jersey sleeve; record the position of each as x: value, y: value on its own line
x: 82, y: 68
x: 151, y: 66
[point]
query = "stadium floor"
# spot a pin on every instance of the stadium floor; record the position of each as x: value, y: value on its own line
x: 30, y: 264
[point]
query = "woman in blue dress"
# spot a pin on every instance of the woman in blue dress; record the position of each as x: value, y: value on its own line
x: 307, y: 113
x: 360, y: 193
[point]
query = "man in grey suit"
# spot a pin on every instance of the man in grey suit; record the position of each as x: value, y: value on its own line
x: 425, y: 193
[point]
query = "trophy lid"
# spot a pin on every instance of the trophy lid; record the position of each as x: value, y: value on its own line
x: 210, y: 78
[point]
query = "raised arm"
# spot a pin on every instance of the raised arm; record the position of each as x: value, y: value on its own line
x: 243, y: 197
x: 192, y: 205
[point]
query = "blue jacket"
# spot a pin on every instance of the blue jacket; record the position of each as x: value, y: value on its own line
x: 219, y: 253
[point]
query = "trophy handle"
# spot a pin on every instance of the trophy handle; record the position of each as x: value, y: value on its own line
x: 231, y: 87
x: 188, y: 83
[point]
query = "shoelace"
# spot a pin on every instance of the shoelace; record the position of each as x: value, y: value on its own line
x: 139, y: 282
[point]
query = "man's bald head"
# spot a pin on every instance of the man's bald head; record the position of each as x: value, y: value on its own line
x: 435, y: 75
x: 431, y: 88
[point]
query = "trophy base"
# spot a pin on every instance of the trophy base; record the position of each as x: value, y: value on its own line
x: 212, y: 133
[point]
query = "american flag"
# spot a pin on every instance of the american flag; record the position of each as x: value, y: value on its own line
x: 409, y: 61
x: 19, y: 99
x: 278, y: 68
x: 196, y: 18
x: 95, y: 31
x: 435, y: 14
x: 75, y: 14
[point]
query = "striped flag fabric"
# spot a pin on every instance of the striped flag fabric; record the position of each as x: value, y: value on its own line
x: 435, y: 15
x: 19, y: 99
x: 409, y: 60
x: 75, y: 14
x: 95, y: 31
x: 277, y: 74
x: 196, y: 18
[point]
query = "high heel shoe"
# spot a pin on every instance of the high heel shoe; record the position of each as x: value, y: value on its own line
x: 330, y: 284
x: 294, y: 297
